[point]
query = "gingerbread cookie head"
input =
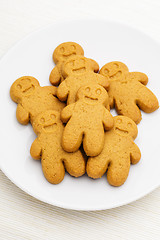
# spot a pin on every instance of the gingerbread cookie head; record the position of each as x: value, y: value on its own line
x: 65, y: 50
x: 78, y: 65
x: 47, y: 122
x: 22, y: 87
x: 93, y: 94
x: 124, y: 126
x: 115, y: 71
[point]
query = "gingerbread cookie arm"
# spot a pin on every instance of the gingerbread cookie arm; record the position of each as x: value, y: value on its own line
x: 62, y: 91
x: 103, y: 81
x: 51, y: 89
x: 128, y: 108
x: 22, y: 114
x: 138, y: 76
x: 111, y: 101
x: 36, y: 150
x: 107, y: 120
x: 55, y: 76
x: 95, y: 65
x: 146, y: 100
x: 67, y: 112
x: 135, y: 153
x: 111, y: 94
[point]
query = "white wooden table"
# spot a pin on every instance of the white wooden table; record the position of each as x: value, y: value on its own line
x: 22, y: 216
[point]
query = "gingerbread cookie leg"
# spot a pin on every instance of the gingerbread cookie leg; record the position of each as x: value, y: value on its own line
x: 146, y: 100
x: 128, y: 109
x: 53, y: 169
x: 97, y: 166
x: 93, y: 141
x: 75, y: 164
x: 72, y: 137
x: 118, y: 170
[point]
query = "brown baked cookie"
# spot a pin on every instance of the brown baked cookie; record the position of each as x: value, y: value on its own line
x: 127, y: 91
x: 78, y: 71
x: 87, y: 118
x: 60, y: 55
x: 47, y: 147
x: 33, y: 99
x: 118, y: 152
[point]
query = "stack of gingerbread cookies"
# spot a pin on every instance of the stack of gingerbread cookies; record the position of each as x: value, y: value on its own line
x: 75, y: 129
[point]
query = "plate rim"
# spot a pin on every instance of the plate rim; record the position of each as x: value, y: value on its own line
x: 85, y: 209
x: 42, y: 199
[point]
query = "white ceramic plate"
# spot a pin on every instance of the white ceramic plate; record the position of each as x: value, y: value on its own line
x: 104, y: 42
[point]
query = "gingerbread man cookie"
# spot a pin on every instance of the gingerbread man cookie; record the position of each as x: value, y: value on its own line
x: 78, y: 71
x: 33, y: 99
x: 87, y: 118
x: 60, y: 55
x: 118, y: 152
x: 47, y: 147
x: 128, y: 92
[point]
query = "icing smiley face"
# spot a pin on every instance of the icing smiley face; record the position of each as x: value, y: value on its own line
x: 115, y: 71
x: 75, y: 65
x: 65, y: 50
x: 93, y: 94
x: 78, y: 65
x: 47, y: 122
x: 23, y: 86
x: 125, y: 126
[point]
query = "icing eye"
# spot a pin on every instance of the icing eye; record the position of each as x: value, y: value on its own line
x: 87, y: 89
x: 19, y: 86
x: 53, y: 116
x: 115, y: 65
x: 73, y: 47
x: 129, y: 124
x: 98, y: 91
x: 106, y: 71
x: 119, y: 120
x: 62, y: 49
x: 42, y: 120
x: 71, y: 63
x: 82, y: 61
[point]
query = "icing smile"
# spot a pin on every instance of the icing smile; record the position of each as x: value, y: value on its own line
x: 81, y: 70
x: 91, y: 98
x: 68, y: 55
x: 50, y: 127
x: 121, y: 130
x: 29, y: 89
